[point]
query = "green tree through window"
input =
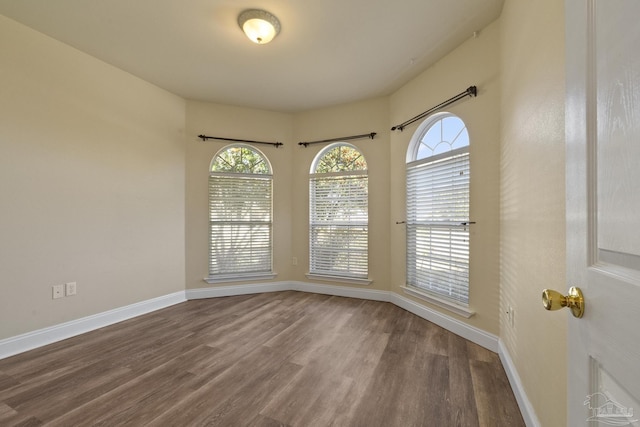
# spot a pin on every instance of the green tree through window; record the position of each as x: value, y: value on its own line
x: 240, y: 159
x: 342, y: 158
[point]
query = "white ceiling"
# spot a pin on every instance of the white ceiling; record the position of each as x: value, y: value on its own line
x: 328, y: 51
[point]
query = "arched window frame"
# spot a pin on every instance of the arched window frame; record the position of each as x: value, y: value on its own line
x: 338, y: 216
x: 438, y: 203
x: 240, y: 215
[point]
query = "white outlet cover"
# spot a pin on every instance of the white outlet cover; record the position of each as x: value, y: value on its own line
x: 70, y: 288
x: 58, y: 291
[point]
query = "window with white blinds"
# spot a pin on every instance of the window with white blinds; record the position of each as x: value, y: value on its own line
x: 339, y: 212
x: 438, y: 177
x: 240, y: 214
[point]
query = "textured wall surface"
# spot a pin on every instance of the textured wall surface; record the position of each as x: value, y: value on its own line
x: 532, y: 186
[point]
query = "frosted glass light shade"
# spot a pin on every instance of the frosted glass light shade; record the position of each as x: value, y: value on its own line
x: 259, y: 25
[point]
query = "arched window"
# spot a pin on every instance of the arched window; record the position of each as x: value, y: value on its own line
x: 438, y: 176
x: 240, y: 215
x: 339, y: 212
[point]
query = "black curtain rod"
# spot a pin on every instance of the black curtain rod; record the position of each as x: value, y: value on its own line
x: 205, y: 137
x: 344, y: 138
x: 471, y: 91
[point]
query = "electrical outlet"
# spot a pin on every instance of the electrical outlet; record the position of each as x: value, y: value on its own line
x: 58, y: 291
x: 294, y: 261
x: 510, y: 316
x: 70, y: 288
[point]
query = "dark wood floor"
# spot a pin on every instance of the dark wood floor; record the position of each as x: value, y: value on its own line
x: 277, y: 359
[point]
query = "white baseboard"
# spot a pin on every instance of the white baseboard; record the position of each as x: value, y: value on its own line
x: 41, y: 337
x: 471, y: 333
x: 341, y: 291
x: 528, y: 413
x: 231, y: 290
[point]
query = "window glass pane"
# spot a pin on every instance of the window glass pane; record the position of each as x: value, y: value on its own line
x: 462, y: 140
x: 423, y: 151
x: 240, y: 159
x: 445, y: 134
x: 442, y: 147
x: 339, y: 159
x: 433, y: 135
x: 338, y: 223
x: 451, y: 128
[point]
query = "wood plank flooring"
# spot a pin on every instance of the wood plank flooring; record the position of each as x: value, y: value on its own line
x: 275, y: 359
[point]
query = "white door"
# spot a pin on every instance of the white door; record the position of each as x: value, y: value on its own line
x: 603, y: 209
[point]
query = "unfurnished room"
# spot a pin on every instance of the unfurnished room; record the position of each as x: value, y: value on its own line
x: 334, y: 213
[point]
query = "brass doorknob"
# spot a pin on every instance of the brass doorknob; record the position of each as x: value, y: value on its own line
x: 554, y: 300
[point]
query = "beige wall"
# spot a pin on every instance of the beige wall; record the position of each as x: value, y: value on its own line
x: 91, y: 184
x: 476, y: 62
x: 239, y: 123
x: 533, y: 199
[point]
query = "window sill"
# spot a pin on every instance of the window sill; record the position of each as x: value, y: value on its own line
x: 442, y: 303
x: 327, y: 278
x: 224, y: 278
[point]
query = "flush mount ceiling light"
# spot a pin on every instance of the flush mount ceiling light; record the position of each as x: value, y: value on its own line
x: 259, y: 25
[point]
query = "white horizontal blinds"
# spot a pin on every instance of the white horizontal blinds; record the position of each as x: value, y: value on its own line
x: 339, y: 225
x: 438, y: 208
x: 439, y: 188
x: 437, y: 239
x: 240, y: 223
